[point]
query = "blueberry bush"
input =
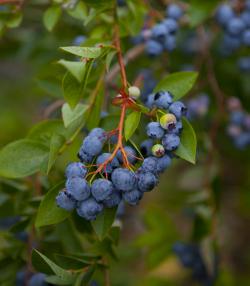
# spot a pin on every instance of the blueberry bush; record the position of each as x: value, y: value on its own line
x: 125, y: 137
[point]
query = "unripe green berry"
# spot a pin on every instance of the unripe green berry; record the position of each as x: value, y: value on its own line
x: 134, y: 92
x: 158, y: 150
x: 168, y: 121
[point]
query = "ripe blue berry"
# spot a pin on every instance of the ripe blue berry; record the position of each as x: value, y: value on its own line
x: 76, y: 169
x: 224, y: 14
x: 174, y: 11
x: 150, y: 102
x: 244, y: 64
x: 171, y: 142
x: 78, y: 188
x: 159, y: 32
x: 99, y: 133
x: 110, y: 166
x: 158, y: 150
x: 37, y: 279
x: 171, y: 25
x: 245, y: 16
x: 92, y: 145
x: 65, y: 201
x: 237, y: 117
x: 112, y: 200
x: 89, y: 209
x: 101, y: 189
x: 170, y: 43
x: 146, y: 181
x: 163, y: 163
x: 154, y: 130
x: 84, y: 157
x: 149, y: 165
x: 163, y: 99
x: 123, y: 179
x: 146, y: 147
x: 246, y: 37
x: 153, y: 48
x: 79, y: 40
x: 177, y: 129
x: 131, y: 155
x: 235, y: 26
x: 132, y: 197
x: 178, y: 109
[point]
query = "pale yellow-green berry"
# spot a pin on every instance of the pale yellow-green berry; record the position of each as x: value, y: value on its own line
x: 158, y: 150
x: 134, y: 92
x: 168, y: 121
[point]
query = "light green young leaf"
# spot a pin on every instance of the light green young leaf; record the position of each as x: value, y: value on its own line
x: 14, y: 20
x: 71, y: 115
x: 55, y: 280
x: 131, y: 123
x: 187, y: 147
x: 22, y: 158
x: 51, y: 17
x: 42, y: 262
x: 104, y: 222
x: 84, y: 52
x: 77, y: 69
x: 48, y: 212
x: 79, y: 12
x: 56, y: 143
x: 178, y: 84
x: 109, y: 59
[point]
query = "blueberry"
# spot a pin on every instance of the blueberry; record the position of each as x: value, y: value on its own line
x: 177, y: 129
x: 178, y: 109
x: 92, y: 145
x: 20, y: 278
x: 171, y: 142
x: 242, y: 140
x: 244, y: 64
x: 158, y: 150
x: 78, y: 188
x: 84, y: 157
x: 114, y: 139
x: 149, y: 165
x: 79, y: 40
x: 170, y: 43
x: 65, y: 201
x: 110, y: 166
x: 171, y: 25
x: 154, y: 130
x: 131, y: 155
x: 121, y: 209
x: 37, y: 279
x: 163, y: 163
x: 150, y: 102
x: 224, y: 14
x: 168, y: 121
x: 174, y: 11
x: 237, y: 117
x: 235, y: 26
x: 146, y: 181
x: 112, y: 200
x: 246, y: 37
x: 101, y: 189
x: 231, y: 43
x: 123, y: 179
x: 76, y: 169
x: 159, y: 32
x: 132, y: 197
x: 234, y: 130
x: 89, y: 209
x: 146, y: 147
x: 245, y: 16
x: 162, y: 99
x: 99, y: 133
x: 246, y: 122
x: 153, y: 48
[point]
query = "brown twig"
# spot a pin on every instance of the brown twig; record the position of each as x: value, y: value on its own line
x: 52, y: 107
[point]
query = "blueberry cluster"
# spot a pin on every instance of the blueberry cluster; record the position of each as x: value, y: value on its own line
x: 163, y: 35
x: 190, y: 257
x: 239, y: 124
x: 37, y: 279
x: 236, y: 27
x: 104, y: 179
x: 197, y: 107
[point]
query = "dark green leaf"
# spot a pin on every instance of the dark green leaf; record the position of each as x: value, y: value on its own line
x: 84, y: 52
x: 56, y: 143
x: 72, y: 89
x: 187, y: 148
x: 48, y: 212
x: 104, y: 222
x: 22, y: 158
x: 178, y: 84
x: 131, y: 123
x: 51, y: 17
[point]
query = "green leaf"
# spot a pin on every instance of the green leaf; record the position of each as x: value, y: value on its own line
x: 85, y: 52
x: 131, y: 123
x: 48, y: 212
x: 51, y: 17
x: 77, y: 69
x: 79, y: 12
x: 14, y: 20
x: 55, y: 280
x: 187, y: 147
x: 100, y: 3
x: 104, y: 222
x: 43, y: 264
x: 22, y: 158
x: 71, y: 115
x: 178, y: 84
x: 109, y: 59
x: 56, y: 143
